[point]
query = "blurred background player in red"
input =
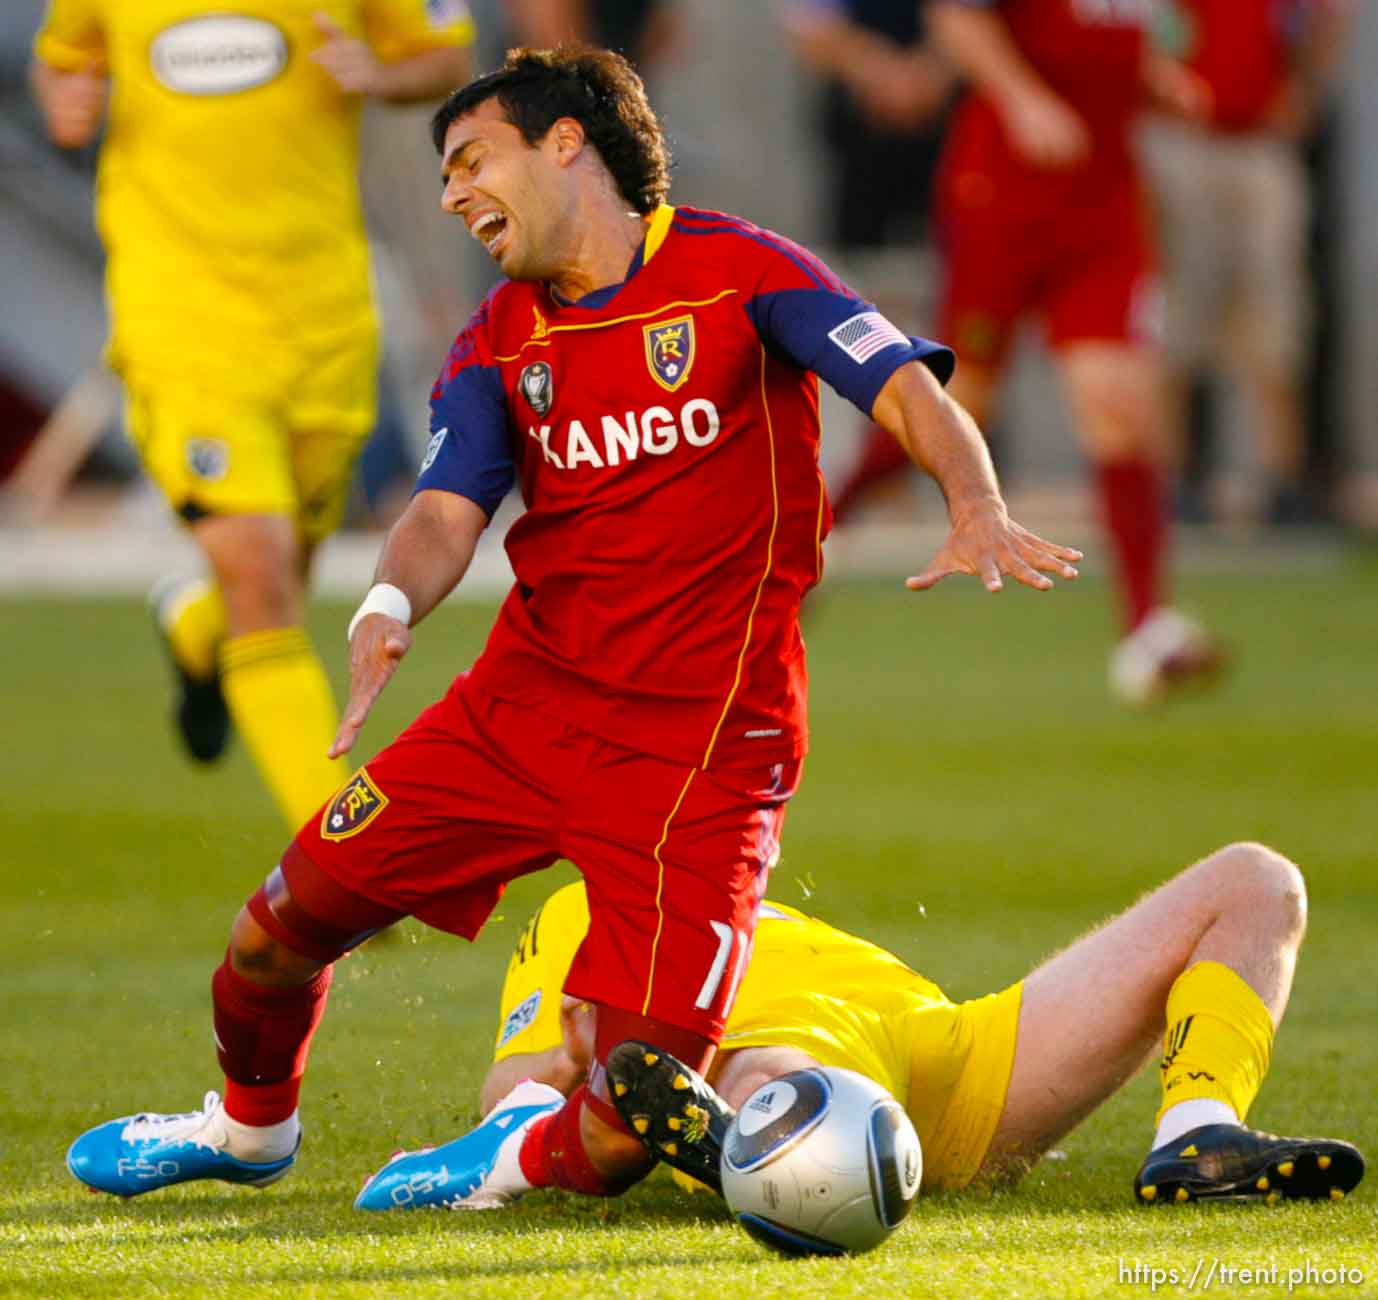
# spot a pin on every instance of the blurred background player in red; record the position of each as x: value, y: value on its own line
x: 1233, y: 205
x: 1039, y: 211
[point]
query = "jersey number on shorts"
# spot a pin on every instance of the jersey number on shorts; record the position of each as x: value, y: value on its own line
x: 728, y: 939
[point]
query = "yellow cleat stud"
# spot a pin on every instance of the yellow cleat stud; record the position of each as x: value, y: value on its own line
x: 641, y: 1124
x: 1274, y: 1197
x: 674, y: 1124
x: 650, y: 1058
x: 620, y: 1089
x: 670, y: 1148
x: 681, y: 1082
x: 1262, y: 1184
x: 1149, y: 1193
x: 1337, y: 1193
x: 1322, y: 1162
x: 1285, y: 1169
x: 1183, y: 1195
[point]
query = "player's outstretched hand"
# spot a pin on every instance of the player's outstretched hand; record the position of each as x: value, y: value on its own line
x: 350, y: 62
x: 375, y: 650
x: 988, y: 545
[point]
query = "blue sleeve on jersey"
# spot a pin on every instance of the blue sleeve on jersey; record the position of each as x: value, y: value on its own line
x: 469, y: 452
x: 843, y: 340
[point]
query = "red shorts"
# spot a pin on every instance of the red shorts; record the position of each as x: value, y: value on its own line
x: 1085, y: 270
x: 478, y: 791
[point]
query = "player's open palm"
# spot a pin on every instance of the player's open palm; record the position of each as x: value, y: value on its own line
x: 991, y: 546
x: 375, y: 650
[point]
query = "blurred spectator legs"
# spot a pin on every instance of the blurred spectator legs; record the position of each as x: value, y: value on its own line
x: 1233, y: 219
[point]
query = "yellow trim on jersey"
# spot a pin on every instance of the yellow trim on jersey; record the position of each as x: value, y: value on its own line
x: 660, y: 885
x: 659, y: 227
x: 616, y: 320
x: 770, y: 564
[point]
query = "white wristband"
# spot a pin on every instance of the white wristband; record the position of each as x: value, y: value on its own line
x: 382, y: 598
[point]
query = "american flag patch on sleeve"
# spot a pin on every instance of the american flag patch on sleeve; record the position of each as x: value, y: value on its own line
x: 863, y: 335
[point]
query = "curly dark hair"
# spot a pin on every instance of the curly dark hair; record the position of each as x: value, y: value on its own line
x: 596, y: 87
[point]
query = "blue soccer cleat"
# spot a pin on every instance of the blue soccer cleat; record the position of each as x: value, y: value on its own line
x: 479, y: 1171
x: 141, y: 1153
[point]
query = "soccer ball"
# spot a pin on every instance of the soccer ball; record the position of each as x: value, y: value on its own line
x: 821, y: 1162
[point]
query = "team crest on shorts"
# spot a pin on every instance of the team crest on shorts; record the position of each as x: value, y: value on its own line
x: 208, y: 458
x: 350, y: 811
x: 537, y: 385
x: 670, y: 351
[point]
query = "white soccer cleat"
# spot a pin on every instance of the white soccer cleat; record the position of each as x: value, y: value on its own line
x: 1166, y: 652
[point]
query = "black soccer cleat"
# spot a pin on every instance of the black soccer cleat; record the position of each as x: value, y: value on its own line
x: 671, y: 1108
x: 198, y: 704
x: 1226, y: 1162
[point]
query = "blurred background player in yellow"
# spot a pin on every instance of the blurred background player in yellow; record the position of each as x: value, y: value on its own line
x: 242, y: 322
x: 1203, y: 964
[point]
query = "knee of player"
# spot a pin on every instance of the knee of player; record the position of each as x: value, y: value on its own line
x: 257, y: 955
x: 1269, y: 881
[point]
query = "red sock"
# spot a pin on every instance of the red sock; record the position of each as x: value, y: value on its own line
x: 881, y: 458
x: 1136, y: 515
x: 552, y: 1154
x: 262, y: 1038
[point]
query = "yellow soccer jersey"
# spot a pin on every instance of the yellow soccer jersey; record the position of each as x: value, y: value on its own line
x: 842, y: 1000
x: 227, y: 195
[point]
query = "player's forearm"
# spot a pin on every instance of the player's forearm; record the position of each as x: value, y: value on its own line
x: 940, y: 437
x: 429, y: 75
x: 1321, y: 47
x: 833, y: 46
x: 430, y: 547
x: 979, y: 45
x: 73, y: 103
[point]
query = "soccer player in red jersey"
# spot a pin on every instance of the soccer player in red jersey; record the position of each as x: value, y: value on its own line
x: 1039, y: 212
x: 648, y: 374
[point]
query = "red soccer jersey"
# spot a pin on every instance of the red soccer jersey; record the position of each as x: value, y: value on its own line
x: 1241, y: 49
x: 1090, y: 53
x: 665, y: 435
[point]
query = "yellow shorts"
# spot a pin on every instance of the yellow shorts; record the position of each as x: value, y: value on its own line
x: 979, y: 1040
x: 217, y: 446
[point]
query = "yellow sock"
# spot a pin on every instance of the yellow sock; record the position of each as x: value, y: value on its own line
x: 1219, y: 1039
x: 278, y: 695
x: 195, y: 624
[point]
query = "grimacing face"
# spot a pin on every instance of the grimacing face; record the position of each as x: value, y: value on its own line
x: 511, y: 196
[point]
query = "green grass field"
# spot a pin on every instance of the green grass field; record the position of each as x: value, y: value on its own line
x: 973, y: 801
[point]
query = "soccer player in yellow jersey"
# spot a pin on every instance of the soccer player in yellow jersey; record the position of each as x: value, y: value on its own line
x: 1204, y: 963
x: 242, y: 320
